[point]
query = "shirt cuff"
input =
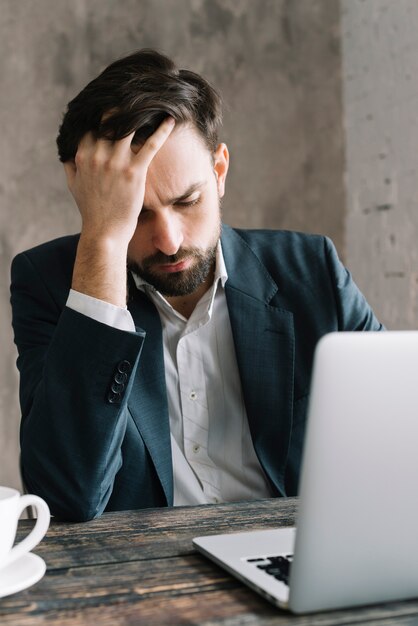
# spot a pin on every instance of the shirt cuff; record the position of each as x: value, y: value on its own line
x: 101, y: 311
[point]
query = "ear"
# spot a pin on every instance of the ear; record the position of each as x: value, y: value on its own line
x: 220, y: 166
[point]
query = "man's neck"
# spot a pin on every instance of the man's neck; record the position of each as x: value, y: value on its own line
x: 185, y: 305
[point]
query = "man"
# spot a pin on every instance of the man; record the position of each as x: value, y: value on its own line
x: 185, y: 379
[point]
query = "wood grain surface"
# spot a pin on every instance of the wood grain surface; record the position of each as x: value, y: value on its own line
x: 139, y: 567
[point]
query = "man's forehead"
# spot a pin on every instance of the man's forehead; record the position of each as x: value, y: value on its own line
x: 185, y: 191
x: 181, y: 166
x: 193, y: 187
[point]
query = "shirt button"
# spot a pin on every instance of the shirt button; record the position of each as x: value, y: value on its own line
x: 196, y: 448
x: 193, y: 395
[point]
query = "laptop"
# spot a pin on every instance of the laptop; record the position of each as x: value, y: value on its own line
x: 356, y: 541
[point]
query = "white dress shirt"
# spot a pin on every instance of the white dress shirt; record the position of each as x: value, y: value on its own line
x: 212, y: 450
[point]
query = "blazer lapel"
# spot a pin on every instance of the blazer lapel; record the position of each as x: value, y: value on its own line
x: 264, y: 343
x: 148, y: 399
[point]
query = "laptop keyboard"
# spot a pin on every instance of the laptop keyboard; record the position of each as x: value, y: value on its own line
x: 276, y: 566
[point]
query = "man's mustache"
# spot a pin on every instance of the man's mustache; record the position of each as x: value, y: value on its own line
x: 159, y: 258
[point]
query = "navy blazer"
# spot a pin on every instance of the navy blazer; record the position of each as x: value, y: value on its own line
x: 86, y: 448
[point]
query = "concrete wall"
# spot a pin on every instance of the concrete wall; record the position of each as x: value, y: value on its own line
x: 277, y: 64
x: 380, y: 65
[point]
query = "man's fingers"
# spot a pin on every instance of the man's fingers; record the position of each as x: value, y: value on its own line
x: 122, y: 147
x: 87, y: 141
x: 155, y: 142
x: 101, y: 151
x: 97, y: 153
x: 70, y: 172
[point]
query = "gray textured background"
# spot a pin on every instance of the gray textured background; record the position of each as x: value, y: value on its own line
x: 380, y: 83
x: 279, y: 67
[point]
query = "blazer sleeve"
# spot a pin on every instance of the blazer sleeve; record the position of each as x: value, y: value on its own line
x: 75, y: 379
x: 353, y: 310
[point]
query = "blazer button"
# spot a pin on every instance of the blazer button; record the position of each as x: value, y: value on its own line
x: 120, y: 377
x: 124, y: 366
x: 117, y: 388
x: 114, y: 398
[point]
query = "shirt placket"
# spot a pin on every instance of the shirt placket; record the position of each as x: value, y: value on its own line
x: 194, y: 404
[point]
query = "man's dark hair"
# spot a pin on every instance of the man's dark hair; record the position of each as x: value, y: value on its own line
x: 136, y: 93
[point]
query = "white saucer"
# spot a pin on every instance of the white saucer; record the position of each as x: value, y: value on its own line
x: 21, y: 574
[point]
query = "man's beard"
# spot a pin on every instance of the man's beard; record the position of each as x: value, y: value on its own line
x: 180, y: 283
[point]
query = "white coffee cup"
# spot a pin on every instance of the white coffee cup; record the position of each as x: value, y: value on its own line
x: 12, y: 505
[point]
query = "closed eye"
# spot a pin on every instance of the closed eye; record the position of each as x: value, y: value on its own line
x: 188, y: 203
x: 182, y: 204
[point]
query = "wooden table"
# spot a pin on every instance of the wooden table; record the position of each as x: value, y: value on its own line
x: 139, y: 567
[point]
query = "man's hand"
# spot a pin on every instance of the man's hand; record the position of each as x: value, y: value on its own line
x: 107, y: 181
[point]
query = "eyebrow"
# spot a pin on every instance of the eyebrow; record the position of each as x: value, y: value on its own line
x: 194, y: 187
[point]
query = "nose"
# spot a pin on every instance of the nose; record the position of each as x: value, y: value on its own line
x: 167, y: 233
